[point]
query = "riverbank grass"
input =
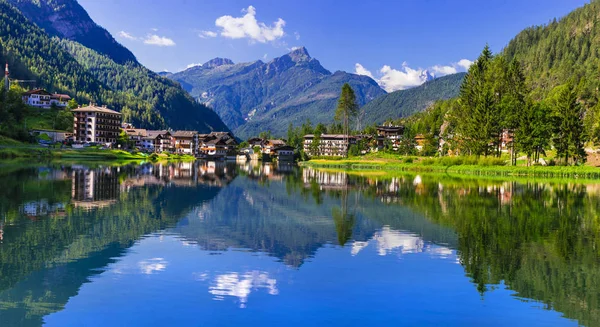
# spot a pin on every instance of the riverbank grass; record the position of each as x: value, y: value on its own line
x: 459, y: 165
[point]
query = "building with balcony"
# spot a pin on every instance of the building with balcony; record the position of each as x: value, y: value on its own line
x: 335, y: 145
x: 39, y: 98
x: 158, y: 141
x: 392, y: 134
x: 96, y: 124
x: 185, y: 142
x: 136, y: 135
x: 216, y: 144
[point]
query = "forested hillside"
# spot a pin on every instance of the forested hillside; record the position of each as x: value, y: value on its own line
x: 565, y: 50
x: 67, y: 19
x: 61, y: 65
x: 404, y: 103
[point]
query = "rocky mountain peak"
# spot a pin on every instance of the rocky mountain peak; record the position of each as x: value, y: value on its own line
x: 299, y: 54
x: 216, y: 62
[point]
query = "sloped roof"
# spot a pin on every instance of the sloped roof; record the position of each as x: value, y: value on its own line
x: 136, y: 131
x: 154, y: 134
x: 37, y: 91
x: 60, y: 96
x: 93, y: 108
x: 184, y: 133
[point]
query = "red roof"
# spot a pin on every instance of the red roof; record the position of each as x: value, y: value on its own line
x: 37, y: 91
x: 61, y: 96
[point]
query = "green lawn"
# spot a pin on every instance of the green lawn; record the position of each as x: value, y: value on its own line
x: 459, y: 165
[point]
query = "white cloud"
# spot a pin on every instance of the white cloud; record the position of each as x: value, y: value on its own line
x: 126, y: 35
x: 444, y: 70
x: 150, y: 266
x: 464, y: 63
x: 297, y: 35
x: 406, y: 77
x: 161, y: 41
x: 248, y: 27
x: 240, y: 285
x: 392, y: 79
x: 265, y: 56
x: 360, y: 70
x: 154, y: 29
x: 207, y: 34
x: 192, y: 65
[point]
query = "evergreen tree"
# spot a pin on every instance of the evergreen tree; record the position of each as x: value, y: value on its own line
x: 568, y: 126
x: 534, y: 130
x: 347, y: 108
x: 479, y: 117
x: 513, y: 103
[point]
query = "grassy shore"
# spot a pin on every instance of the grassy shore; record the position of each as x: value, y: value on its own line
x: 41, y: 153
x: 466, y: 166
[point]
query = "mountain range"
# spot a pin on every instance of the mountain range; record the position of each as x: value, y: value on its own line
x: 57, y: 44
x: 257, y: 96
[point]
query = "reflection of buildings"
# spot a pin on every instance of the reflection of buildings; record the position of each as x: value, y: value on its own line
x: 42, y: 207
x: 266, y: 170
x: 93, y: 188
x: 326, y: 180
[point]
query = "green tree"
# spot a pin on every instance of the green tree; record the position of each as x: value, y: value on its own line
x: 479, y: 116
x: 534, y: 130
x: 513, y: 104
x: 72, y: 104
x: 569, y: 135
x: 347, y: 108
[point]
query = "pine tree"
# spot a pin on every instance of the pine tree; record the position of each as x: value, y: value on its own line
x: 479, y: 116
x: 347, y: 108
x: 569, y: 133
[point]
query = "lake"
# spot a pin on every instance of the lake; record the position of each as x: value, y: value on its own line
x: 216, y: 244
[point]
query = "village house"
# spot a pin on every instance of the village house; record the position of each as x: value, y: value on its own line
x: 157, y: 141
x: 216, y: 144
x: 284, y: 153
x: 185, y: 142
x: 256, y: 141
x: 136, y: 135
x: 329, y: 144
x: 391, y: 133
x: 59, y: 100
x: 96, y: 124
x: 41, y: 98
x: 269, y: 146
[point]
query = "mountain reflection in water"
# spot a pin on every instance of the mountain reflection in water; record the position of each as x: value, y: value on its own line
x: 258, y: 230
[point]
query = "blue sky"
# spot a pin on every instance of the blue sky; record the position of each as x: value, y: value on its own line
x: 392, y: 40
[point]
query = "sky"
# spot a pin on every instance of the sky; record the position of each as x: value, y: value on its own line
x: 392, y: 41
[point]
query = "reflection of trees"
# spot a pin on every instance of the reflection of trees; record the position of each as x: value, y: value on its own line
x: 540, y: 239
x: 344, y: 219
x: 43, y: 263
x: 542, y: 242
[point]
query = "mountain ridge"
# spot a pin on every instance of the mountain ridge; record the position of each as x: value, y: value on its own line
x: 257, y: 96
x: 63, y: 65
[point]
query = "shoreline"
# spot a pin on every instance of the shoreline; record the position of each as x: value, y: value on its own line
x: 386, y: 166
x: 42, y: 153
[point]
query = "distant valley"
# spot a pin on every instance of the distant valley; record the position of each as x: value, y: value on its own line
x: 258, y: 96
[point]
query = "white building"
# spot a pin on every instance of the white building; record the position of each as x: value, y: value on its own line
x: 41, y: 98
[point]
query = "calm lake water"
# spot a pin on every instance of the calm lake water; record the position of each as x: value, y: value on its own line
x: 213, y: 244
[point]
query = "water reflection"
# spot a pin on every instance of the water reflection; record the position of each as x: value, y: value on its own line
x: 63, y: 226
